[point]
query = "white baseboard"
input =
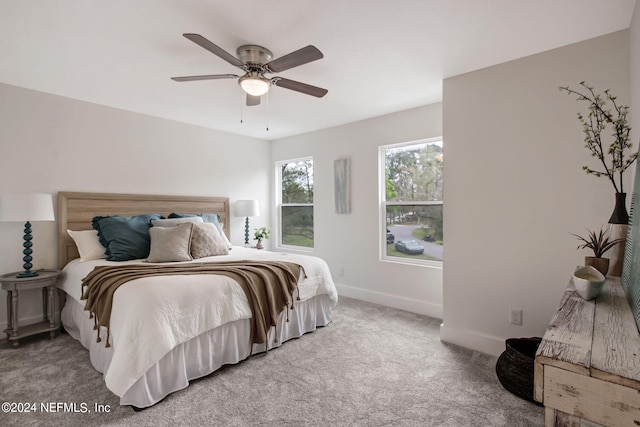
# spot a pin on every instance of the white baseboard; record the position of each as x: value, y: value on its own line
x: 464, y: 338
x: 472, y: 340
x: 389, y: 300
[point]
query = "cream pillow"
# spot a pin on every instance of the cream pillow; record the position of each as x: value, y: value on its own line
x: 170, y: 244
x: 207, y: 241
x: 88, y: 244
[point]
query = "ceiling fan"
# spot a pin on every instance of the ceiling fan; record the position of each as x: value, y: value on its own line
x: 256, y: 61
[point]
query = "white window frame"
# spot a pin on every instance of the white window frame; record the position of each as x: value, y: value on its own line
x: 382, y: 238
x: 278, y: 206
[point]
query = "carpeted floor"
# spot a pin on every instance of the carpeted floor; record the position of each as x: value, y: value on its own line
x: 372, y: 366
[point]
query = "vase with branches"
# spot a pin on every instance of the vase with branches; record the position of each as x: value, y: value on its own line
x: 607, y: 136
x: 612, y: 159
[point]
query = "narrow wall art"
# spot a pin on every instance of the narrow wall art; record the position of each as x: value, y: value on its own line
x: 342, y: 185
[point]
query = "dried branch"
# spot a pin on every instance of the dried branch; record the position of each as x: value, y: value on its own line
x: 598, y: 119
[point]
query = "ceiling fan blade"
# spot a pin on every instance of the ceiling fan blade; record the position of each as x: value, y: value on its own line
x: 205, y: 77
x: 252, y: 100
x: 215, y: 49
x: 294, y: 59
x: 299, y: 87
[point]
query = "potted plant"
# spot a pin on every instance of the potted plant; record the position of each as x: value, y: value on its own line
x: 599, y: 243
x: 260, y: 234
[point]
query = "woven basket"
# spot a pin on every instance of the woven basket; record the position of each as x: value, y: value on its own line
x: 515, y: 366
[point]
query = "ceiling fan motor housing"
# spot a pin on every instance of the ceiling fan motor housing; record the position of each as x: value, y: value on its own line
x: 252, y: 54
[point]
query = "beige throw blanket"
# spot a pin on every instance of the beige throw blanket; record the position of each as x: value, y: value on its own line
x: 268, y: 285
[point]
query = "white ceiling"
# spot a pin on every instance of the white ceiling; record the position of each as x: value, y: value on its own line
x: 380, y: 56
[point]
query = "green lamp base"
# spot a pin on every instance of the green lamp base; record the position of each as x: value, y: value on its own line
x: 27, y: 253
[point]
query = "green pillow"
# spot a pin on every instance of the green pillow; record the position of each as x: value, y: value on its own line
x: 125, y: 237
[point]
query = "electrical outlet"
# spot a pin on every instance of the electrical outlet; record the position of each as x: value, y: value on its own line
x: 515, y: 316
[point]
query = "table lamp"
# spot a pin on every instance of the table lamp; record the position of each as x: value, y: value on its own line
x: 247, y: 208
x: 26, y: 207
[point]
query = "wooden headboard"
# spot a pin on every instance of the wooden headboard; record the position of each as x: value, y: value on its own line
x: 76, y: 210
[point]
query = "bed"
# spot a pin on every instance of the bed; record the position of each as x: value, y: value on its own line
x: 166, y: 330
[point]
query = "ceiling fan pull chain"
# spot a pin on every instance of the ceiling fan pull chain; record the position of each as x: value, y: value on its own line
x: 241, y: 102
x: 267, y: 111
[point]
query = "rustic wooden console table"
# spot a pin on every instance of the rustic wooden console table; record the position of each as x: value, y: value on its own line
x: 587, y: 368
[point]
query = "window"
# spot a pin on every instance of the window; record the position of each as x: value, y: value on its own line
x: 295, y: 200
x: 411, y: 194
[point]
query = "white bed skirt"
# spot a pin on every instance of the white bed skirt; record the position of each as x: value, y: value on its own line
x: 200, y: 356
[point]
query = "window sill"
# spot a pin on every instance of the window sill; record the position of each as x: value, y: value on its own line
x: 407, y: 261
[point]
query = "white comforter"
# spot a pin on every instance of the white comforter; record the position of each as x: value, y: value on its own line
x: 151, y: 316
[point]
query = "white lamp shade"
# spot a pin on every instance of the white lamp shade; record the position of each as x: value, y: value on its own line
x: 247, y: 208
x: 26, y: 207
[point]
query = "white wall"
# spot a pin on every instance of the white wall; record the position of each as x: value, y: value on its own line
x: 50, y: 143
x: 514, y: 187
x: 350, y: 242
x: 634, y: 51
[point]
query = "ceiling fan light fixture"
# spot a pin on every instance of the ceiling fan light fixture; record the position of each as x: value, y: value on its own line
x: 255, y: 86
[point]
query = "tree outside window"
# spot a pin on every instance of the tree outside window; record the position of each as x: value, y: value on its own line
x: 412, y: 200
x: 296, y: 202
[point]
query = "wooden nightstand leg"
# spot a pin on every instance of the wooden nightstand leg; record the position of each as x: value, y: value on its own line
x: 14, y: 312
x: 14, y: 315
x: 9, y: 311
x: 45, y: 303
x: 50, y: 313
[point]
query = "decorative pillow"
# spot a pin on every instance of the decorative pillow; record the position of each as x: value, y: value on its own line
x: 125, y: 237
x: 172, y: 222
x: 226, y: 240
x: 212, y: 218
x: 88, y: 244
x: 207, y: 241
x: 170, y: 244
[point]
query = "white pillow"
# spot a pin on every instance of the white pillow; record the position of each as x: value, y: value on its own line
x: 224, y: 236
x: 88, y: 244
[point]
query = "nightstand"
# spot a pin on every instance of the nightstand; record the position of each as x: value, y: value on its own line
x: 45, y: 280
